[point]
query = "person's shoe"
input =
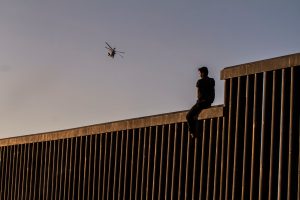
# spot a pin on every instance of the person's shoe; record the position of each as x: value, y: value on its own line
x: 192, y: 135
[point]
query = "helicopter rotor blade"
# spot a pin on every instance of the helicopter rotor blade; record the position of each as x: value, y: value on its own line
x: 108, y: 48
x: 120, y: 52
x: 108, y: 45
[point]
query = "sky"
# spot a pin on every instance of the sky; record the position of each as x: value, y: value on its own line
x: 55, y: 73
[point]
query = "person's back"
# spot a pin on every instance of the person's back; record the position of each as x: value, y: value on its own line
x: 206, y: 89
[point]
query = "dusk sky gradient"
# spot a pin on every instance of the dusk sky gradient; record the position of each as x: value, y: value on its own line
x: 55, y: 73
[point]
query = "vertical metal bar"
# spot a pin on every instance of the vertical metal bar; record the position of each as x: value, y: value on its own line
x: 104, y: 167
x: 143, y: 165
x: 216, y: 167
x: 100, y: 164
x: 109, y: 165
x: 5, y: 172
x: 131, y: 188
x: 12, y: 172
x: 20, y: 167
x: 116, y: 163
x: 79, y: 166
x: 28, y: 166
x: 180, y: 162
x: 297, y: 133
x: 126, y: 159
x: 10, y: 181
x: 67, y: 158
x: 54, y: 159
x: 63, y: 163
x: 137, y: 166
x: 37, y: 169
x: 227, y: 185
x: 59, y: 155
x: 16, y: 170
x: 47, y: 170
x: 116, y: 158
x: 154, y: 165
x: 167, y: 166
x: 94, y: 166
x: 115, y: 167
x: 132, y: 164
x: 254, y: 135
x: 208, y: 183
x: 202, y: 184
x: 274, y: 89
x: 227, y: 89
x: 291, y: 135
x: 265, y: 137
x: 7, y: 191
x: 42, y: 166
x: 23, y: 172
x: 84, y: 167
x: 9, y: 172
x: 2, y: 167
x: 89, y: 190
x: 31, y: 184
x: 112, y: 165
x: 298, y: 193
x: 8, y: 157
x: 261, y: 167
x: 161, y: 161
x: 6, y: 184
x: 282, y: 114
x: 148, y: 165
x: 70, y: 168
x: 187, y: 170
x: 237, y: 124
x: 121, y: 164
x: 174, y: 162
x: 55, y: 154
x: 194, y: 168
x: 74, y: 170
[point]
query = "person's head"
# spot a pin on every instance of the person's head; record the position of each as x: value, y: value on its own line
x: 203, y: 71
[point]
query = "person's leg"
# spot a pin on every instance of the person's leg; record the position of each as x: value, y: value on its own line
x: 192, y: 116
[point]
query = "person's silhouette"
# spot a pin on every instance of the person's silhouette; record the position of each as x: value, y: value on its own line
x: 206, y: 95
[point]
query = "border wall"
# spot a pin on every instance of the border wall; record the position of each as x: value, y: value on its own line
x: 247, y: 148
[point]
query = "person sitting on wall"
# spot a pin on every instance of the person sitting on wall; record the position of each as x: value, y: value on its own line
x: 206, y: 95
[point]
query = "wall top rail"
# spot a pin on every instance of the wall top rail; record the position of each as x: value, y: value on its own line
x: 167, y: 118
x: 287, y: 61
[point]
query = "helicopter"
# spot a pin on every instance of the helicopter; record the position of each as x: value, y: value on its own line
x: 112, y: 51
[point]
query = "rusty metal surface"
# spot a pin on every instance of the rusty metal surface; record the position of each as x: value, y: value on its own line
x: 269, y: 135
x: 168, y: 118
x: 261, y: 66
